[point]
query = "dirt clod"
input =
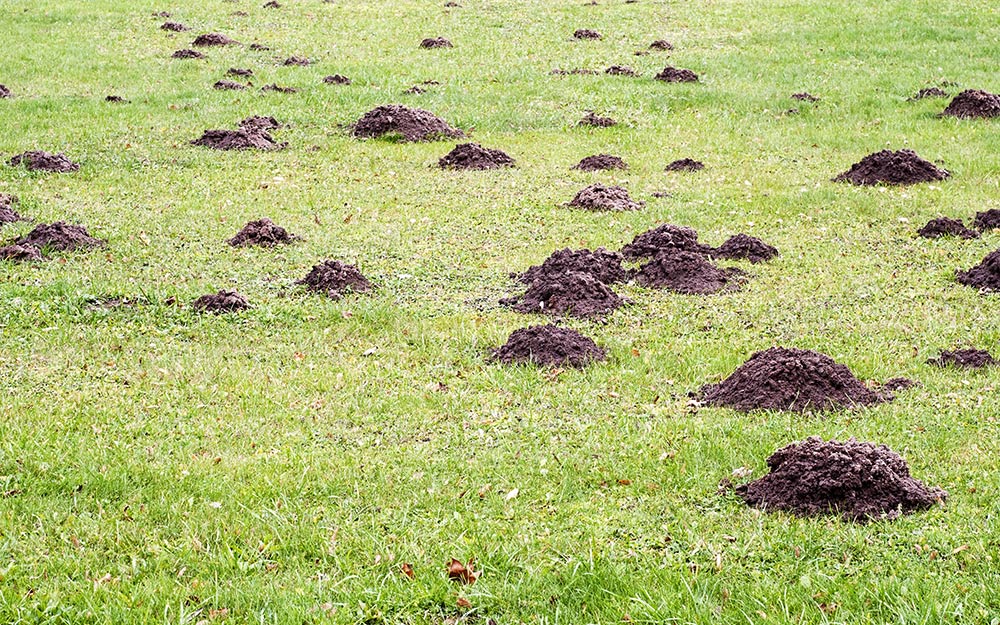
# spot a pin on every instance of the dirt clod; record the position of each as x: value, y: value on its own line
x: 745, y: 247
x: 663, y: 238
x: 597, y: 121
x: 621, y: 70
x: 59, y: 236
x: 408, y: 124
x: 548, y: 345
x: 238, y: 72
x: 5, y: 92
x: 174, y: 27
x: 258, y: 47
x: 36, y: 160
x: 892, y: 168
x: 475, y: 156
x: 335, y: 279
x: 278, y: 88
x: 298, y: 61
x: 115, y: 99
x: 946, y: 227
x: 687, y: 273
x: 187, y: 54
x: 985, y: 276
x: 435, y: 42
x: 661, y: 45
x: 577, y: 71
x: 598, y: 197
x: 599, y: 162
x: 963, y: 358
x: 574, y: 294
x: 228, y: 85
x: 685, y: 164
x: 586, y: 33
x: 929, y: 92
x: 222, y: 302
x: 674, y: 74
x: 242, y: 139
x: 262, y: 232
x: 987, y: 220
x: 602, y: 264
x: 974, y: 103
x: 212, y: 39
x: 337, y: 79
x: 20, y: 253
x: 805, y: 96
x: 7, y: 213
x: 258, y: 123
x: 273, y: 4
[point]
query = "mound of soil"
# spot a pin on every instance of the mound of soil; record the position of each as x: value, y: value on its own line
x: 212, y: 39
x: 273, y: 4
x: 664, y: 238
x: 222, y: 302
x: 662, y: 45
x: 805, y: 96
x: 475, y: 156
x: 602, y: 264
x: 894, y: 168
x: 238, y: 140
x: 279, y: 88
x: 974, y: 103
x: 621, y: 70
x: 574, y: 294
x: 415, y: 90
x: 409, y: 124
x: 790, y: 379
x: 745, y: 247
x: 298, y: 61
x: 258, y: 47
x: 258, y: 123
x: 7, y: 213
x: 335, y: 279
x: 593, y: 119
x: 59, y: 236
x: 687, y: 273
x: 987, y: 220
x: 5, y: 92
x: 36, y: 160
x: 435, y: 42
x: 859, y: 481
x: 239, y: 72
x: 162, y: 14
x: 262, y: 232
x: 228, y: 85
x: 946, y: 227
x: 985, y: 276
x: 586, y: 33
x: 963, y: 358
x: 187, y: 54
x: 337, y: 79
x: 598, y: 197
x: 930, y: 92
x: 574, y: 72
x: 685, y: 164
x: 548, y: 345
x: 20, y: 253
x: 175, y: 27
x: 674, y: 74
x: 599, y: 162
x: 115, y: 99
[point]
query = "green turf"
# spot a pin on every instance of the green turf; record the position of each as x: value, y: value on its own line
x: 280, y: 464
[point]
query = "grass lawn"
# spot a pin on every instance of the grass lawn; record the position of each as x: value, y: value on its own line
x: 279, y: 465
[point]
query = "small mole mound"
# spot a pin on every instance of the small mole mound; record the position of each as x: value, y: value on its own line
x: 861, y: 482
x: 687, y: 273
x: 674, y: 74
x: 805, y: 96
x: 598, y: 197
x: 187, y: 54
x: 946, y: 227
x: 59, y: 236
x: 415, y: 90
x: 20, y: 253
x: 577, y: 71
x: 299, y: 61
x: 222, y: 302
x: 259, y: 123
x: 334, y: 279
x: 892, y: 168
x: 175, y: 27
x: 452, y: 5
x: 685, y: 164
x: 273, y: 4
x: 574, y: 294
x: 964, y: 359
x: 258, y: 47
x: 621, y: 70
x: 599, y: 162
x: 930, y: 92
x: 597, y: 121
x: 162, y: 14
x: 435, y: 42
x: 279, y: 89
x: 115, y: 99
x: 662, y: 45
x: 790, y: 379
x: 974, y: 103
x: 262, y: 232
x: 212, y: 39
x: 228, y: 85
x: 548, y: 345
x: 337, y: 79
x: 239, y: 72
x: 745, y: 247
x: 988, y: 219
x: 5, y: 92
x: 36, y: 160
x: 7, y: 213
x: 408, y: 124
x: 662, y: 238
x: 602, y: 264
x: 475, y: 156
x: 586, y: 33
x: 243, y: 139
x: 985, y: 276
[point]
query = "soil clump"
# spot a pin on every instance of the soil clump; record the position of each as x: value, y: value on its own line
x: 7, y: 213
x: 548, y: 345
x: 805, y: 96
x: 334, y: 279
x: 174, y: 27
x: 574, y: 294
x: 602, y: 264
x: 228, y: 85
x: 409, y: 124
x: 974, y: 103
x: 586, y: 33
x: 946, y: 227
x: 20, y: 253
x: 674, y: 74
x: 278, y: 89
x: 298, y: 61
x: 963, y: 358
x: 36, y: 160
x: 212, y: 39
x: 893, y: 168
x: 745, y: 247
x: 685, y: 164
x: 59, y: 236
x: 435, y: 42
x: 222, y: 302
x: 662, y: 45
x: 5, y: 92
x: 187, y: 54
x: 597, y: 121
x: 263, y: 232
x: 337, y: 79
x: 687, y: 273
x: 985, y: 276
x: 246, y: 138
x: 599, y: 162
x: 238, y: 72
x: 621, y: 70
x: 987, y: 220
x: 663, y: 238
x: 929, y: 92
x: 598, y: 197
x: 475, y: 156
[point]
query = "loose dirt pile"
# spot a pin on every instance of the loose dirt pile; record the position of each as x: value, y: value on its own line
x: 258, y: 47
x: 586, y: 33
x: 985, y: 276
x: 579, y: 71
x: 279, y: 89
x: 597, y: 121
x: 213, y: 39
x: 475, y: 156
x: 674, y: 74
x: 187, y: 54
x: 974, y: 103
x: 963, y: 358
x: 687, y: 273
x: 745, y: 247
x: 337, y: 79
x: 859, y: 481
x: 59, y: 236
x: 599, y: 162
x: 408, y: 124
x: 894, y: 168
x: 296, y: 61
x: 602, y: 264
x: 222, y: 302
x: 621, y: 70
x: 228, y: 85
x: 685, y: 164
x: 238, y: 140
x: 805, y: 96
x: 20, y: 253
x: 174, y: 27
x: 987, y: 220
x: 259, y: 123
x: 263, y: 232
x: 36, y: 160
x: 548, y: 345
x: 334, y: 279
x: 931, y: 92
x: 664, y: 238
x: 790, y: 379
x: 273, y: 4
x: 239, y: 72
x: 435, y: 42
x: 946, y: 227
x: 575, y: 294
x: 5, y: 92
x: 598, y: 197
x: 661, y: 45
x: 115, y: 99
x: 7, y: 213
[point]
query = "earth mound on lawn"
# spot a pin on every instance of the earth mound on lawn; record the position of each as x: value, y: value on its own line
x: 599, y: 162
x: 337, y: 79
x: 929, y: 92
x: 212, y: 39
x: 661, y: 45
x: 334, y: 279
x: 963, y: 358
x: 974, y: 103
x: 410, y: 124
x: 859, y: 481
x: 574, y: 294
x: 586, y: 33
x: 228, y: 85
x: 435, y: 42
x: 7, y: 213
x: 805, y: 96
x: 222, y: 302
x: 598, y: 197
x: 663, y: 238
x: 175, y: 27
x: 985, y: 276
x: 602, y: 264
x: 296, y: 61
x: 988, y: 219
x: 946, y: 227
x: 596, y: 121
x: 37, y: 160
x: 187, y: 54
x: 60, y: 236
x: 251, y: 135
x: 674, y: 74
x: 548, y: 345
x: 621, y: 70
x: 475, y: 156
x: 685, y: 164
x: 264, y: 233
x: 687, y: 273
x: 5, y: 92
x: 20, y: 253
x: 745, y: 247
x: 259, y: 123
x: 893, y: 168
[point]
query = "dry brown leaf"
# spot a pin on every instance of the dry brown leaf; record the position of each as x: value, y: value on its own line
x: 463, y: 573
x: 407, y: 569
x: 464, y: 603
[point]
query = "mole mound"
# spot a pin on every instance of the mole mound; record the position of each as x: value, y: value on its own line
x: 262, y: 232
x: 5, y: 92
x: 673, y: 74
x: 662, y: 45
x: 175, y: 27
x: 334, y: 279
x: 239, y: 72
x: 187, y: 54
x: 279, y: 88
x: 790, y: 379
x: 973, y: 103
x: 299, y: 61
x: 894, y: 168
x: 602, y: 264
x: 222, y: 302
x: 597, y: 121
x: 36, y: 160
x: 599, y: 162
x: 59, y: 236
x: 987, y: 220
x: 115, y: 99
x: 685, y: 164
x: 258, y: 47
x: 548, y: 345
x: 931, y: 92
x: 985, y: 276
x: 20, y: 253
x: 621, y: 70
x: 945, y: 226
x: 745, y: 247
x: 228, y: 85
x: 212, y: 39
x: 7, y: 213
x: 258, y: 123
x: 273, y: 4
x: 573, y: 293
x: 598, y: 197
x: 687, y: 273
x: 337, y: 79
x: 474, y: 156
x: 859, y: 481
x: 586, y: 33
x: 409, y: 124
x: 663, y: 238
x: 963, y: 358
x: 238, y: 140
x: 578, y: 71
x: 435, y: 42
x: 805, y: 96
x: 415, y: 90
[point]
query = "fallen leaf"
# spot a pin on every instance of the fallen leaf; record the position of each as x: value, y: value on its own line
x: 407, y: 569
x: 959, y: 550
x: 624, y: 482
x: 512, y: 494
x: 464, y: 603
x: 463, y: 573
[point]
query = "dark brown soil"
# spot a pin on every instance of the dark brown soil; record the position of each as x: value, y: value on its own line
x: 930, y: 92
x: 745, y: 247
x: 985, y: 276
x: 36, y: 160
x: 586, y: 33
x: 893, y: 385
x: 239, y: 72
x: 673, y: 74
x: 805, y: 96
x: 946, y: 227
x: 987, y: 220
x: 162, y: 14
x: 7, y: 213
x: 20, y: 253
x: 5, y: 92
x: 238, y: 140
x: 974, y: 103
x: 258, y: 123
x: 115, y: 99
x: 599, y: 162
x: 574, y: 294
x: 452, y: 5
x: 687, y: 273
x: 602, y: 264
x: 475, y: 156
x: 187, y: 54
x: 579, y: 71
x: 664, y: 238
x: 415, y: 90
x: 548, y: 345
x: 263, y: 232
x: 337, y: 79
x: 212, y: 39
x: 621, y: 70
x: 279, y: 88
x: 273, y: 4
x: 258, y: 47
x: 408, y: 124
x: 685, y: 164
x: 59, y: 236
x: 892, y: 168
x: 298, y: 61
x: 222, y: 302
x: 790, y: 379
x: 228, y: 85
x: 335, y: 279
x: 435, y: 42
x: 175, y: 27
x: 598, y: 121
x: 963, y: 358
x: 662, y: 45
x: 598, y: 197
x: 861, y: 482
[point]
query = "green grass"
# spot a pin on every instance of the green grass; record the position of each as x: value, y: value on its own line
x: 162, y: 466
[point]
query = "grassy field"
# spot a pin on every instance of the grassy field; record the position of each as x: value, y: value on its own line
x: 281, y: 464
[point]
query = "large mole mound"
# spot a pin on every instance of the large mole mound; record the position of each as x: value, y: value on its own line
x: 222, y: 302
x: 599, y: 162
x: 790, y: 379
x: 973, y: 103
x: 946, y: 227
x: 36, y: 160
x: 963, y: 358
x: 251, y: 135
x: 59, y: 236
x: 674, y: 74
x: 602, y: 264
x: 688, y: 273
x: 409, y: 124
x: 745, y: 247
x: 987, y: 220
x: 575, y: 294
x: 895, y: 168
x: 213, y: 39
x: 663, y: 238
x: 859, y: 481
x: 985, y: 276
x: 548, y: 345
x: 334, y: 278
x: 598, y: 197
x: 475, y: 156
x: 262, y: 232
